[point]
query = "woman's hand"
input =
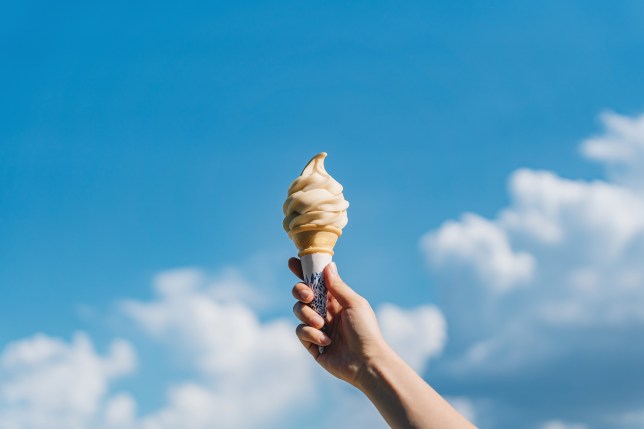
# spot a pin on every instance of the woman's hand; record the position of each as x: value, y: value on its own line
x: 356, y: 353
x: 352, y: 340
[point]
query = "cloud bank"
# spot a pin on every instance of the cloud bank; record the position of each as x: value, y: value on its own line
x: 243, y: 372
x: 48, y: 383
x: 544, y: 301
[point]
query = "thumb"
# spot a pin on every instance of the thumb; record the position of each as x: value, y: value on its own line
x: 346, y: 296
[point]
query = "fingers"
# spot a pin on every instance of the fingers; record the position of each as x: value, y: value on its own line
x: 302, y: 292
x: 307, y: 315
x: 295, y: 266
x: 308, y: 334
x: 346, y: 296
x: 313, y: 349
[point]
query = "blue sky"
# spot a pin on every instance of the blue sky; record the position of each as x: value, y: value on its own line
x: 140, y: 139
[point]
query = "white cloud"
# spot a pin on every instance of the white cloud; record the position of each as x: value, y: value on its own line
x: 238, y: 359
x: 555, y: 212
x: 579, y: 243
x: 120, y: 411
x: 241, y: 371
x: 620, y: 148
x: 621, y: 142
x: 481, y: 246
x: 583, y: 288
x: 416, y: 334
x: 46, y: 383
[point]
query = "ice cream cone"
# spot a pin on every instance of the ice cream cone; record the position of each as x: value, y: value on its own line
x: 310, y: 239
x: 315, y: 212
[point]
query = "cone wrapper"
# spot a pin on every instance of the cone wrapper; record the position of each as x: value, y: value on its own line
x: 313, y: 270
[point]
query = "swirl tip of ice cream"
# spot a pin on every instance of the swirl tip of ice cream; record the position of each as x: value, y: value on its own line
x: 315, y: 164
x: 315, y: 200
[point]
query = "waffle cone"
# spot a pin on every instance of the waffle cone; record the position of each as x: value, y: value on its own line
x: 315, y: 239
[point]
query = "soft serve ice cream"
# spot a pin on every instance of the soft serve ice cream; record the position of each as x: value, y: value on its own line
x: 315, y: 200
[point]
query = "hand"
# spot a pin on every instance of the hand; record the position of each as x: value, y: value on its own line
x: 352, y: 338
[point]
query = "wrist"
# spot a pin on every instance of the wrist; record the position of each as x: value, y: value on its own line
x: 374, y: 367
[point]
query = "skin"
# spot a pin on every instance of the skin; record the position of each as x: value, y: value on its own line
x: 356, y: 352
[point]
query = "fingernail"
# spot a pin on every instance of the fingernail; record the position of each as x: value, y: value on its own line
x: 334, y: 268
x: 305, y: 294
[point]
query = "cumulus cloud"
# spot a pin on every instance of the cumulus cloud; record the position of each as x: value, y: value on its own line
x: 48, y: 383
x: 238, y: 360
x: 559, y: 212
x: 576, y: 249
x: 416, y: 334
x: 482, y: 246
x: 120, y: 411
x: 239, y: 371
x: 620, y: 148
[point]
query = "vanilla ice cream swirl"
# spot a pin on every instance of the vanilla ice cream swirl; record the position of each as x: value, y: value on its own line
x: 315, y: 198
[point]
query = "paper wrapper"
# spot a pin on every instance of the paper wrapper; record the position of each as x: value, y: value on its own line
x: 313, y: 269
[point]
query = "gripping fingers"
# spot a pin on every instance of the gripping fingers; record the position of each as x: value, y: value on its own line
x: 302, y: 292
x: 307, y: 315
x: 295, y: 265
x: 313, y: 349
x: 309, y: 334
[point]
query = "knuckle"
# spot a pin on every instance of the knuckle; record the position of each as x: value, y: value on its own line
x: 316, y: 322
x: 363, y: 302
x: 313, y: 320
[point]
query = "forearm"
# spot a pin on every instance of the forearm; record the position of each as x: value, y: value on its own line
x: 403, y: 398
